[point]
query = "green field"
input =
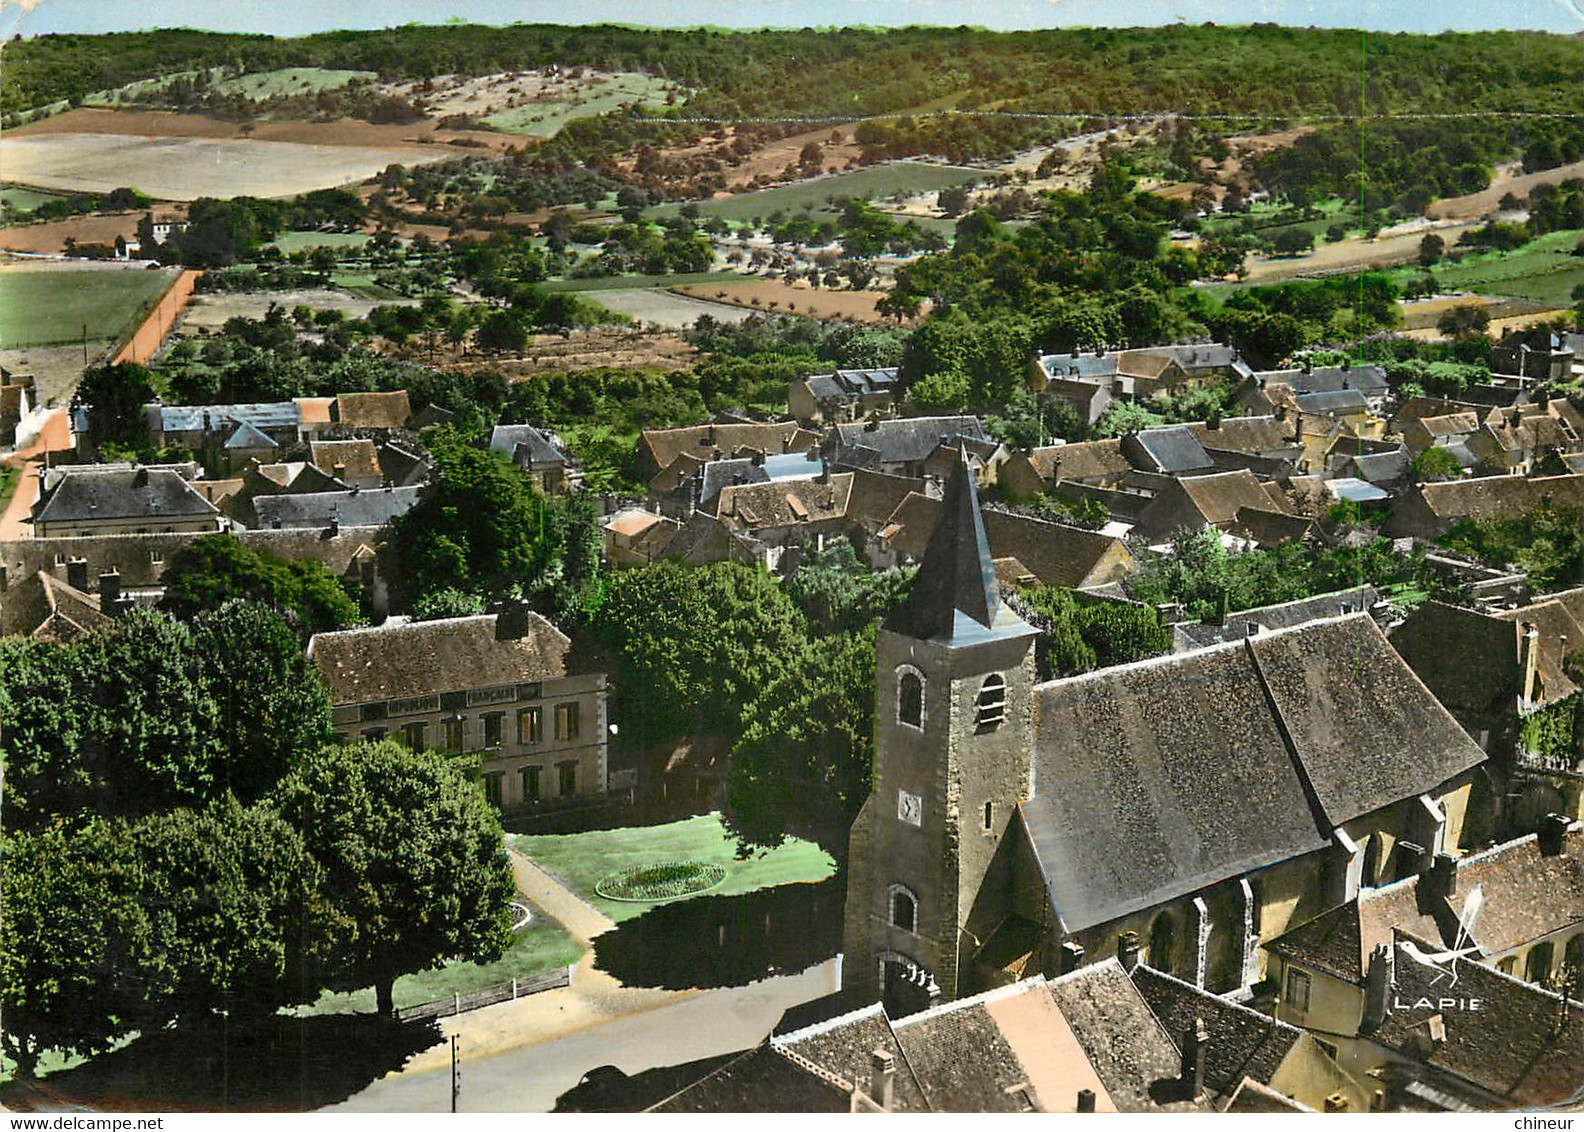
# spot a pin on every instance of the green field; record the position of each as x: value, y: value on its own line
x: 546, y: 119
x: 876, y: 183
x: 634, y: 282
x: 1543, y: 271
x: 51, y: 308
x: 25, y: 200
x: 581, y: 860
x: 257, y: 86
x: 1333, y: 210
x: 540, y: 947
x: 289, y: 242
x: 361, y: 283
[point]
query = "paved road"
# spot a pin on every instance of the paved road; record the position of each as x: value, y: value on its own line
x: 531, y: 1077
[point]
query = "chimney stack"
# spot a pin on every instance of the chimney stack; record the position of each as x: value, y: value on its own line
x: 1128, y: 950
x: 1442, y: 876
x: 77, y: 574
x: 882, y: 1078
x: 1553, y: 834
x: 511, y: 620
x: 109, y: 589
x: 1086, y: 1100
x: 1336, y: 1102
x: 339, y: 470
x: 1072, y: 956
x: 1196, y: 1042
x: 1378, y: 987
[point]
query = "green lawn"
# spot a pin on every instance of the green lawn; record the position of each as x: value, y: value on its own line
x: 50, y: 308
x: 289, y: 242
x: 581, y: 860
x: 633, y: 282
x: 362, y: 283
x: 546, y: 119
x: 540, y: 947
x: 877, y: 182
x: 26, y: 200
x: 290, y: 80
x: 1543, y: 270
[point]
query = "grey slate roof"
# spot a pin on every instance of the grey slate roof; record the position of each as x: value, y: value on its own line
x: 1141, y: 770
x: 745, y: 469
x: 903, y: 439
x: 507, y: 438
x: 246, y: 436
x: 1286, y: 615
x: 211, y: 418
x: 1368, y: 380
x: 369, y: 507
x: 122, y: 493
x: 845, y: 384
x: 1341, y: 401
x: 1174, y: 450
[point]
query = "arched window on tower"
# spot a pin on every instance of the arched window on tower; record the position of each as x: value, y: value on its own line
x: 904, y: 909
x: 992, y: 700
x: 1160, y: 944
x: 910, y: 697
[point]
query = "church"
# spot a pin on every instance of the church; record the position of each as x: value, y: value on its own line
x: 1183, y: 809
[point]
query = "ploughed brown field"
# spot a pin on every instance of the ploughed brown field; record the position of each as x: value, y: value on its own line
x: 775, y: 296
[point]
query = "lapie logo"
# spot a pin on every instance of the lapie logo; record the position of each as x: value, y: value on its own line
x: 1444, y: 964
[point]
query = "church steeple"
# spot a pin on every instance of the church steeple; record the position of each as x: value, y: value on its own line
x: 955, y: 597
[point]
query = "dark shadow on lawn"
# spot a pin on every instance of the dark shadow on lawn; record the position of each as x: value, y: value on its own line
x: 282, y: 1064
x: 726, y: 941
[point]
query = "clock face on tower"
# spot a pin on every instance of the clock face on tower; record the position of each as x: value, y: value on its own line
x: 910, y: 808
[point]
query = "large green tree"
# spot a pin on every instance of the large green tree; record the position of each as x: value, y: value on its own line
x: 802, y: 761
x: 413, y: 860
x: 208, y: 572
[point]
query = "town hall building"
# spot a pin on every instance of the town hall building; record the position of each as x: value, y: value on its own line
x: 1190, y: 806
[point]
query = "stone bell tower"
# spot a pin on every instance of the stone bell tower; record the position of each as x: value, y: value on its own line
x: 953, y: 731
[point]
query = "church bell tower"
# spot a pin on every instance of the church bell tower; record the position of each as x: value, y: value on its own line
x: 953, y: 734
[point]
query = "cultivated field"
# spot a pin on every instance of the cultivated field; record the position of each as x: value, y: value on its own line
x: 777, y: 297
x: 663, y: 308
x: 1508, y: 179
x: 533, y: 103
x: 1330, y: 259
x: 257, y: 86
x: 50, y: 305
x: 24, y: 200
x: 289, y: 242
x: 1542, y: 271
x: 210, y: 312
x: 898, y: 179
x: 602, y: 348
x: 188, y: 168
x: 50, y: 237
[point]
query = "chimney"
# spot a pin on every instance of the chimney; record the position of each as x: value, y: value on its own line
x: 1529, y: 658
x: 1128, y: 950
x: 882, y: 1078
x: 758, y: 459
x: 1086, y: 1100
x: 77, y: 574
x: 1072, y: 956
x: 1336, y: 1102
x: 1442, y: 876
x: 1378, y: 981
x: 512, y: 620
x: 1553, y: 834
x: 1196, y: 1043
x: 109, y: 589
x: 339, y: 470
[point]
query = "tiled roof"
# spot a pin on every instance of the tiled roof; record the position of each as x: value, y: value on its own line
x: 152, y: 493
x: 704, y: 538
x: 1094, y: 459
x: 374, y: 410
x: 1152, y: 759
x: 1245, y: 434
x: 1243, y: 1042
x: 1500, y: 496
x: 1369, y: 380
x: 399, y: 660
x: 662, y: 446
x: 787, y: 503
x: 1512, y: 1046
x: 360, y: 459
x: 1130, y: 1050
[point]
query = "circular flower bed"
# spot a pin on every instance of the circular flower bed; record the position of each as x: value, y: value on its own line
x: 665, y: 881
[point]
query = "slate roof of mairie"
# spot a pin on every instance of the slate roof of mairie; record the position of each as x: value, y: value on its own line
x: 906, y: 439
x: 369, y: 507
x: 151, y: 493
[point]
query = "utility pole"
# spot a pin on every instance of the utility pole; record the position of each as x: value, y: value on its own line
x: 456, y: 1075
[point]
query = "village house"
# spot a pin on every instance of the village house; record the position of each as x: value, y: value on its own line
x: 21, y: 415
x: 1093, y: 382
x: 699, y: 488
x: 1432, y: 509
x: 1205, y: 802
x: 496, y: 684
x: 1093, y: 463
x: 539, y: 454
x: 1192, y: 503
x: 843, y: 395
x: 1510, y: 677
x: 666, y: 456
x: 634, y: 536
x: 1551, y: 358
x: 102, y: 499
x: 781, y: 516
x: 901, y: 446
x: 985, y: 457
x: 1049, y: 553
x: 225, y: 437
x: 373, y: 412
x: 1190, y: 635
x: 354, y: 507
